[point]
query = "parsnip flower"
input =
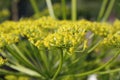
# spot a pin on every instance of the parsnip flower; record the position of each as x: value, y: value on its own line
x: 8, y: 33
x: 68, y: 36
x: 101, y: 29
x: 113, y: 40
x: 116, y: 25
x: 54, y: 33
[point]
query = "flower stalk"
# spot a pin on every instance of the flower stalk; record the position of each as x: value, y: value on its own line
x: 63, y: 2
x: 108, y: 11
x: 34, y: 5
x: 60, y: 65
x: 74, y: 10
x: 50, y: 8
x: 97, y: 69
x: 102, y: 10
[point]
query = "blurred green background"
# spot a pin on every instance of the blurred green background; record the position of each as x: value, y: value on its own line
x: 88, y: 9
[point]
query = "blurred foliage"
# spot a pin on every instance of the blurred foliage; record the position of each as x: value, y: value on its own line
x: 4, y: 14
x: 13, y: 77
x: 116, y: 9
x: 4, y: 10
x: 57, y: 10
x: 5, y: 4
x: 88, y: 9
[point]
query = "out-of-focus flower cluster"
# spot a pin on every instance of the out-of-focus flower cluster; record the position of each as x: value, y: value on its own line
x: 8, y: 33
x: 112, y: 40
x: 2, y: 61
x: 12, y: 77
x: 102, y: 29
x: 4, y: 14
x: 51, y: 33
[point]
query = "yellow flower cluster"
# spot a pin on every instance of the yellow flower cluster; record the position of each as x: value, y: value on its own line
x: 33, y: 30
x: 12, y: 77
x: 38, y: 29
x: 4, y: 13
x: 67, y: 36
x: 8, y: 33
x: 2, y: 61
x: 116, y: 25
x: 50, y: 33
x: 112, y: 40
x: 99, y: 29
x: 102, y: 29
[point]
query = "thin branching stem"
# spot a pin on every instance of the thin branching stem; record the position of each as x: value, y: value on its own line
x: 50, y: 8
x: 63, y: 9
x: 109, y: 71
x: 74, y: 10
x: 60, y: 65
x: 108, y: 11
x: 97, y: 69
x: 34, y: 5
x: 102, y: 10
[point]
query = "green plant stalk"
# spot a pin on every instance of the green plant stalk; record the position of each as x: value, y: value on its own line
x: 50, y: 8
x: 60, y: 65
x: 74, y: 10
x: 18, y: 57
x: 97, y: 69
x: 44, y: 58
x: 34, y: 5
x: 22, y: 55
x: 84, y: 55
x: 25, y: 70
x: 63, y: 9
x: 101, y: 13
x: 109, y: 9
x: 107, y: 68
x: 6, y: 72
x: 33, y: 57
x: 108, y: 72
x: 94, y: 46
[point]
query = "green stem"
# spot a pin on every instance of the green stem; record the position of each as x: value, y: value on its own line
x: 101, y: 13
x: 84, y: 55
x: 94, y: 46
x: 109, y: 9
x: 7, y: 72
x: 60, y: 65
x: 25, y: 70
x: 110, y: 71
x: 34, y: 5
x: 63, y: 9
x: 44, y: 57
x: 74, y: 10
x: 50, y: 8
x: 97, y: 69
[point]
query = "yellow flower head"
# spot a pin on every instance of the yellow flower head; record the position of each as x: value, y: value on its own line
x: 67, y: 36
